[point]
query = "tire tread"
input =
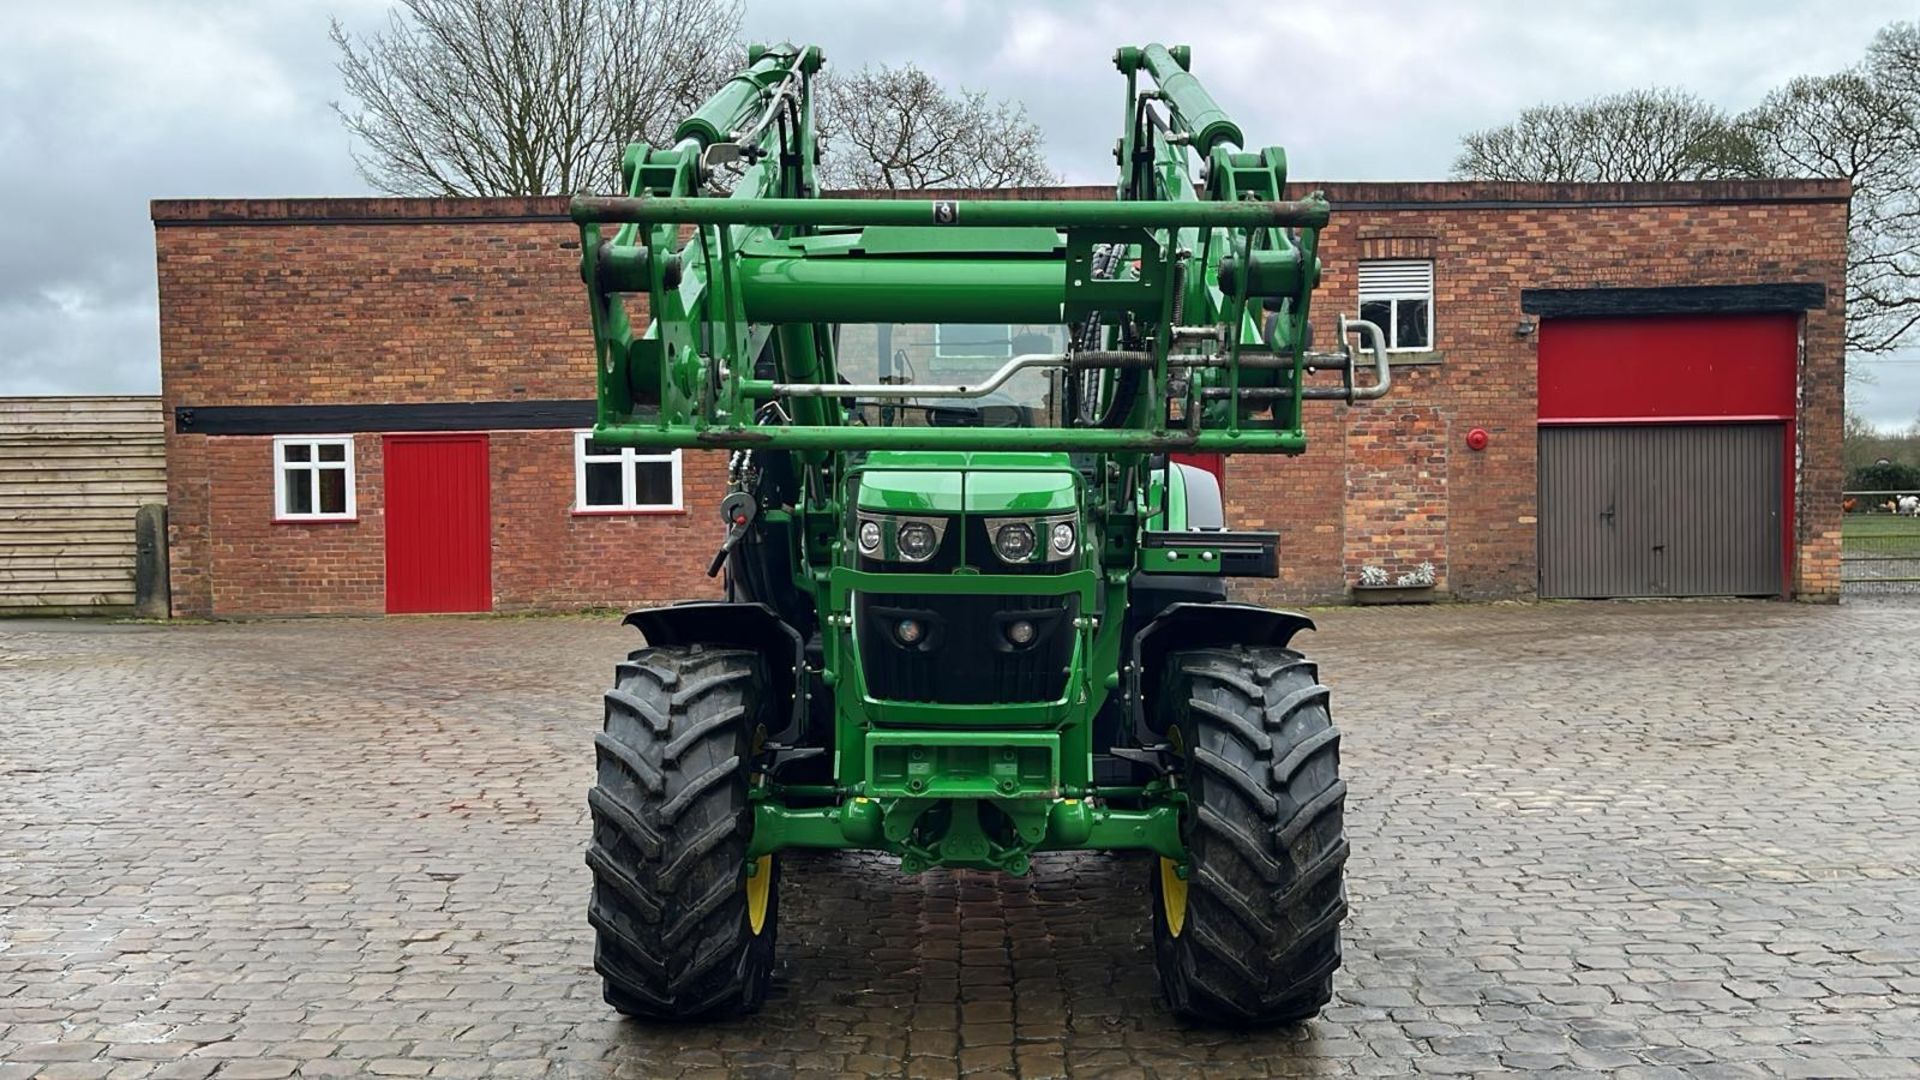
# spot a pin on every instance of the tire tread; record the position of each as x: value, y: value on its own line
x: 1265, y: 839
x: 671, y: 822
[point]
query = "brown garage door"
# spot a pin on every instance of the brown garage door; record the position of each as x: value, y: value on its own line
x: 1660, y: 510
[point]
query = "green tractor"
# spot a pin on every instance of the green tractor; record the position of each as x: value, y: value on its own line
x: 975, y: 548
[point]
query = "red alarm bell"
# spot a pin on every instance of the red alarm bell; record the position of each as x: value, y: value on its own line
x: 1477, y: 439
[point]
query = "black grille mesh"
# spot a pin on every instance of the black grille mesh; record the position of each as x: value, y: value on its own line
x: 964, y: 658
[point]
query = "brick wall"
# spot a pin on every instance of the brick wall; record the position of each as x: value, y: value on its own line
x: 251, y: 564
x: 545, y: 555
x: 1488, y: 243
x: 272, y: 302
x: 1396, y: 508
x: 1301, y: 498
x: 393, y: 300
x: 324, y: 301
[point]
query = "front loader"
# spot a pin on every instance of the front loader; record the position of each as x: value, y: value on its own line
x: 975, y: 552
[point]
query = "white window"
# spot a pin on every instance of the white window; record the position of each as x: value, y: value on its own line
x: 313, y: 478
x: 1397, y: 296
x: 619, y: 479
x: 967, y: 341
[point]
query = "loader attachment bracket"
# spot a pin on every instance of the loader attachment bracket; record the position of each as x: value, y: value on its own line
x: 963, y: 765
x: 1214, y: 551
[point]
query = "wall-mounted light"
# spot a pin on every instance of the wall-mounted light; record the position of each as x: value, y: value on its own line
x: 1524, y: 328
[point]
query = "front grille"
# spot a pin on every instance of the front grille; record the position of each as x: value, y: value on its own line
x: 964, y: 657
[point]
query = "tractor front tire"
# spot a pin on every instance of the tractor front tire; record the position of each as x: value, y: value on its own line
x: 1251, y: 934
x: 682, y: 929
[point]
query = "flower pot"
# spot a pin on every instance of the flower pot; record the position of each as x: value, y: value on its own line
x: 1393, y: 594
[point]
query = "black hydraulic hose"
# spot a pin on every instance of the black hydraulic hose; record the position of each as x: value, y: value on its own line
x: 790, y: 130
x: 1179, y: 288
x: 1084, y: 396
x: 1101, y: 359
x: 1126, y: 388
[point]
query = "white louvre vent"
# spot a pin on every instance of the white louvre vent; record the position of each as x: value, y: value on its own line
x: 1390, y: 278
x: 1397, y: 296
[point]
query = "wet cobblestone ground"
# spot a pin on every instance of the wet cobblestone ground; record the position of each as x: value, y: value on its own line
x: 1627, y: 839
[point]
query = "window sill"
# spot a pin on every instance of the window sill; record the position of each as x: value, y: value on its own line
x: 329, y: 520
x: 1414, y: 357
x: 642, y: 511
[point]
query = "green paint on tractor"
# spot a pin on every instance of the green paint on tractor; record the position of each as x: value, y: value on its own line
x: 974, y: 611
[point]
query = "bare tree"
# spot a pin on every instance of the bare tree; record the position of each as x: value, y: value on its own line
x: 526, y: 97
x: 1863, y: 125
x: 896, y: 128
x: 1640, y: 135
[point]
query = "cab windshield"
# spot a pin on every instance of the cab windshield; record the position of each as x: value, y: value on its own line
x: 948, y: 354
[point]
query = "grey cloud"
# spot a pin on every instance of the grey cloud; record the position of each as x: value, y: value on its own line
x: 108, y: 105
x: 1354, y: 91
x: 1890, y: 395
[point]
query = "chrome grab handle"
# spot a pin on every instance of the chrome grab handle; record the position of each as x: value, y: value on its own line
x: 1382, y: 376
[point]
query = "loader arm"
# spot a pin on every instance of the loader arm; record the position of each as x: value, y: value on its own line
x: 1202, y: 316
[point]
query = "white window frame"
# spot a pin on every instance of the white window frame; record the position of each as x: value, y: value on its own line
x: 1389, y: 294
x: 627, y: 458
x: 313, y: 466
x: 942, y: 355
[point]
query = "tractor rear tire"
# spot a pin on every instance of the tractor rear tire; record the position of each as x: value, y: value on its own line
x: 681, y: 929
x: 1252, y: 934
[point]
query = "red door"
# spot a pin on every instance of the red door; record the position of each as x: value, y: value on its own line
x: 439, y: 549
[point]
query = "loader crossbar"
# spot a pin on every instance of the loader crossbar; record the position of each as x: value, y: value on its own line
x: 1065, y: 214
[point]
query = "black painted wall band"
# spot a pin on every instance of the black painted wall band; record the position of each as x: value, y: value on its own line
x: 348, y: 419
x: 1675, y: 300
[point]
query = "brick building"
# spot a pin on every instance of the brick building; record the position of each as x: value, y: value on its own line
x: 1600, y: 390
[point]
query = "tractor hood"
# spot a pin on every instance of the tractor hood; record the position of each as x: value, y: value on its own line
x: 973, y: 482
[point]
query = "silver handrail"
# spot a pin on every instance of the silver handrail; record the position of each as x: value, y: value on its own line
x: 1383, y: 376
x: 908, y: 390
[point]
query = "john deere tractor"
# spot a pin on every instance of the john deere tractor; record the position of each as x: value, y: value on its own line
x: 975, y: 553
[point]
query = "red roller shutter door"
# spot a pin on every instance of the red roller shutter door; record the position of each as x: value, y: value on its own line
x: 1666, y: 455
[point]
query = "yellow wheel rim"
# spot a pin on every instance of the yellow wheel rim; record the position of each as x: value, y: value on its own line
x: 1173, y: 895
x: 1173, y: 887
x: 760, y: 885
x: 760, y: 888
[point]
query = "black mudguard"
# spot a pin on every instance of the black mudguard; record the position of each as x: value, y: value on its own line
x: 1198, y: 626
x: 737, y: 625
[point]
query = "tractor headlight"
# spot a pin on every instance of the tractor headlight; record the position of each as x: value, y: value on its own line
x: 899, y: 539
x: 916, y: 541
x: 1032, y: 540
x: 1013, y: 542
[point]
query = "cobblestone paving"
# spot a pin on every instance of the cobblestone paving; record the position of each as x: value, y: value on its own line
x: 1633, y: 839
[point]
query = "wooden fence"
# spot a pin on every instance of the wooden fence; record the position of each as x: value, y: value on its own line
x: 73, y: 471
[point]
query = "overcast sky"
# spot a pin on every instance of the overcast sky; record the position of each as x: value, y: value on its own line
x: 105, y: 104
